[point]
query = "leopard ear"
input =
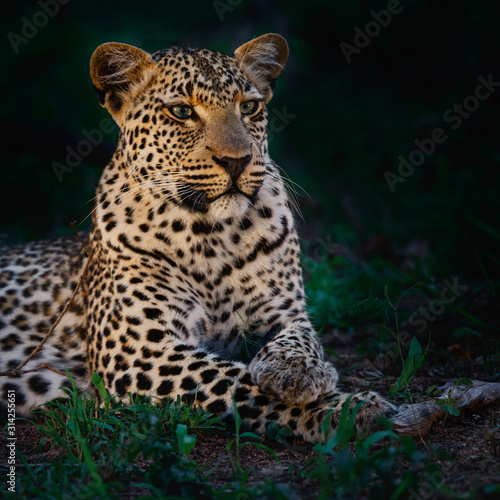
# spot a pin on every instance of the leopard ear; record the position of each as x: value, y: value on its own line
x: 261, y: 61
x: 118, y: 72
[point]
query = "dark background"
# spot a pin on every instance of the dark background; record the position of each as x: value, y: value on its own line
x: 345, y: 123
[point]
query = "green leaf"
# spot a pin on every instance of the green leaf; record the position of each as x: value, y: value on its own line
x: 431, y: 389
x: 250, y: 435
x: 185, y: 442
x: 103, y: 425
x: 410, y: 367
x: 103, y: 392
x: 237, y: 418
x: 463, y: 381
x: 263, y: 447
x: 377, y: 436
x: 415, y: 348
x: 229, y: 445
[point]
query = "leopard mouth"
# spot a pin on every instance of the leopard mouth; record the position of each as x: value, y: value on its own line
x: 198, y: 201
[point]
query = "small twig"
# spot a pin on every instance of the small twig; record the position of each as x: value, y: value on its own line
x: 66, y: 307
x: 15, y: 372
x: 79, y: 239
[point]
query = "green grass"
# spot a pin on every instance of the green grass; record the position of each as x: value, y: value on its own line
x: 109, y: 448
x: 106, y: 449
x: 367, y: 468
x: 351, y: 291
x: 339, y: 156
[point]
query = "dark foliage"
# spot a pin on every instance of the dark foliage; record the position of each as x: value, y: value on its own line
x: 337, y: 127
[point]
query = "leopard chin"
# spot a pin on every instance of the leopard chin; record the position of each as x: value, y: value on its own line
x: 230, y: 205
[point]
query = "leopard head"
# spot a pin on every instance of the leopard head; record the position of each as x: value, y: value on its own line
x: 193, y: 123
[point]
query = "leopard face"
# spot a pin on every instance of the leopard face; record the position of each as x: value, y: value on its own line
x: 197, y: 135
x: 192, y: 259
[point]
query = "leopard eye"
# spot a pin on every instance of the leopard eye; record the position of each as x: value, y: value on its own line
x: 182, y: 112
x: 249, y: 107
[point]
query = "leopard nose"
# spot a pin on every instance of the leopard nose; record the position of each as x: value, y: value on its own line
x: 233, y: 166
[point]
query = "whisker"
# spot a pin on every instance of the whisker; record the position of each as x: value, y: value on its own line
x: 289, y: 186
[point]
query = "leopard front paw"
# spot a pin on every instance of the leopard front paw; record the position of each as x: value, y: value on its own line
x: 365, y: 409
x: 373, y: 406
x: 293, y: 378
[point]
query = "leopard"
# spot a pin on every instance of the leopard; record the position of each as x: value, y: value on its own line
x: 188, y: 283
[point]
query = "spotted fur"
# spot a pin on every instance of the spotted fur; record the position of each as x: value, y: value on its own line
x: 194, y: 285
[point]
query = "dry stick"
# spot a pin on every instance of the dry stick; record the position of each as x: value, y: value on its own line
x: 15, y: 372
x: 66, y: 307
x: 79, y: 239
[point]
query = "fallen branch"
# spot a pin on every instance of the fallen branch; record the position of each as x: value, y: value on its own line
x: 417, y: 419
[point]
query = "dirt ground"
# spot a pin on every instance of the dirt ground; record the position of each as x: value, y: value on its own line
x: 470, y: 439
